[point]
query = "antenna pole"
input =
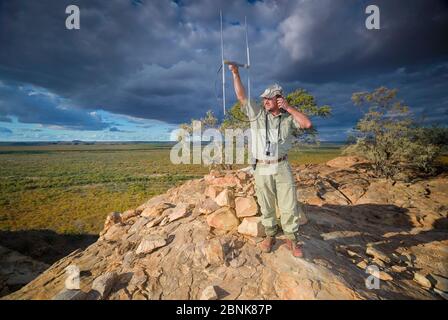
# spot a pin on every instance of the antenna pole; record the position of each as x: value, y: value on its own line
x: 248, y: 60
x: 223, y: 70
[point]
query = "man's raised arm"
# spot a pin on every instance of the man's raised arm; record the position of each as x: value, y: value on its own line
x: 238, y: 85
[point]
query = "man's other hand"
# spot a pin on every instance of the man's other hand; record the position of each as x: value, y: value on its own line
x: 282, y: 103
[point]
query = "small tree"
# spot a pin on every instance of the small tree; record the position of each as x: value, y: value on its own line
x: 209, y: 121
x: 388, y: 136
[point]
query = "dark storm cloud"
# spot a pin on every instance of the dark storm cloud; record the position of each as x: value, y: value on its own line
x: 158, y: 59
x: 327, y: 40
x: 34, y: 106
x: 93, y: 66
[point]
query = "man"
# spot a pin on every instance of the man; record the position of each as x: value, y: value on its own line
x: 272, y: 126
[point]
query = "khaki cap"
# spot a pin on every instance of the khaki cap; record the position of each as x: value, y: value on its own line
x: 272, y: 91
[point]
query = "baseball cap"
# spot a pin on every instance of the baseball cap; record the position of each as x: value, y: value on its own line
x: 272, y: 91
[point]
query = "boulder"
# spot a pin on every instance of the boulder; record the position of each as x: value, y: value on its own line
x: 103, y: 284
x: 249, y: 189
x: 242, y: 176
x: 362, y: 264
x: 376, y: 253
x: 180, y: 211
x: 227, y: 181
x: 215, y: 173
x: 157, y: 210
x: 150, y: 243
x: 209, y: 293
x: 164, y: 221
x: 138, y: 225
x: 137, y: 281
x: 225, y: 198
x: 245, y: 207
x: 223, y: 219
x: 214, y: 252
x: 213, y: 191
x: 422, y: 280
x: 237, y: 262
x: 156, y: 221
x: 111, y: 219
x: 252, y: 227
x: 114, y: 233
x: 128, y: 214
x: 398, y: 269
x: 208, y: 206
x: 385, y: 276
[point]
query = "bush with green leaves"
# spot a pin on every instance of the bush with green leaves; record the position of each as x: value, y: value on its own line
x: 390, y: 137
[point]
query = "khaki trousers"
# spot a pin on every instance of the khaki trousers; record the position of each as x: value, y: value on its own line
x: 275, y: 184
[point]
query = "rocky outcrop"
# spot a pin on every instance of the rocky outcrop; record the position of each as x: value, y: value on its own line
x: 199, y: 241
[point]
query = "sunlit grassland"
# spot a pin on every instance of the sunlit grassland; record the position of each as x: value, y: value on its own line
x: 314, y: 154
x: 71, y: 188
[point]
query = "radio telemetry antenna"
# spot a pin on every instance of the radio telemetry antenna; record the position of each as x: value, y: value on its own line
x: 238, y: 64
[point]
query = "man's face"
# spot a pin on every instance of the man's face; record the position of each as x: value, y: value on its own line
x: 270, y: 104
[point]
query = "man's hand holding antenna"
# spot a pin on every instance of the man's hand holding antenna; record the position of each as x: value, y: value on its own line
x: 234, y: 69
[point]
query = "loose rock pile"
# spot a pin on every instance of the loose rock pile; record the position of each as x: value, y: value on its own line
x: 199, y: 241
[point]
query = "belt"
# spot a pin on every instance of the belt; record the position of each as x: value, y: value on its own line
x: 272, y: 161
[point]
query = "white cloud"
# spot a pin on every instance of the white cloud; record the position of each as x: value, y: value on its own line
x: 295, y: 31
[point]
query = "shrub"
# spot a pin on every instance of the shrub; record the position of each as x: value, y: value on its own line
x: 390, y: 138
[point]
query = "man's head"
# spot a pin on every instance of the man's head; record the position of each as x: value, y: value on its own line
x: 270, y: 96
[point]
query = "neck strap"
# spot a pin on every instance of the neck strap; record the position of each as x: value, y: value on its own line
x: 267, y: 128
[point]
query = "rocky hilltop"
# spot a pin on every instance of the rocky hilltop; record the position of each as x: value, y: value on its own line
x: 199, y: 241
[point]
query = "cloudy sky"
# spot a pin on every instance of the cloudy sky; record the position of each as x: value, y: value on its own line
x: 138, y: 68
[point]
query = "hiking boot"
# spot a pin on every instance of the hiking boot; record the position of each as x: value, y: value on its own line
x: 266, y: 244
x: 295, y: 248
